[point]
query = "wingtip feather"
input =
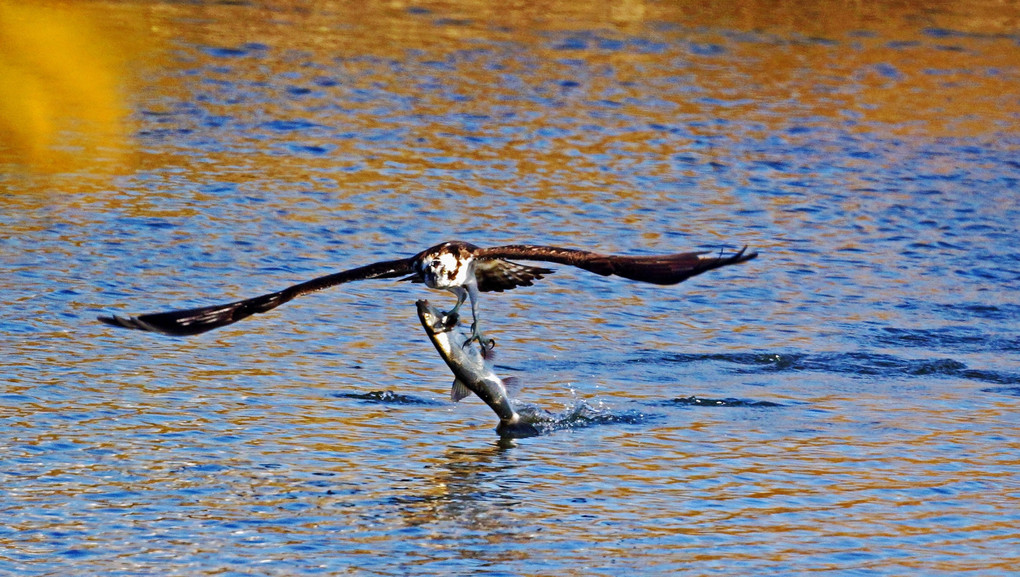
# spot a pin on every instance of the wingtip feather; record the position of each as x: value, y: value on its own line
x: 117, y: 321
x: 130, y: 323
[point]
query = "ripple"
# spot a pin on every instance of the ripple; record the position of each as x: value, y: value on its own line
x: 693, y: 401
x: 1011, y: 391
x: 294, y: 125
x: 389, y: 398
x: 955, y: 338
x: 243, y: 50
x: 862, y: 364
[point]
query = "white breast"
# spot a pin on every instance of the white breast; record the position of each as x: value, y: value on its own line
x: 444, y: 271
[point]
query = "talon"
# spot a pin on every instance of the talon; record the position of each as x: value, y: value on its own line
x: 450, y: 319
x: 486, y: 344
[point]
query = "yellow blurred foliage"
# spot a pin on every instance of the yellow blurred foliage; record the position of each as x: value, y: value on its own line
x: 61, y: 101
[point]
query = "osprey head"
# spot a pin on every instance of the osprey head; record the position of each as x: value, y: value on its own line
x: 448, y: 265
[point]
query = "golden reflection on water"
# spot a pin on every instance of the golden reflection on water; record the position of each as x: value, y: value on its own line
x: 786, y: 66
x: 66, y: 105
x: 64, y: 82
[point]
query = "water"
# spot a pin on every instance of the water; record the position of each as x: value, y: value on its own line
x: 847, y: 402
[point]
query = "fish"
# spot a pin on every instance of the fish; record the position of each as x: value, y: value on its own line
x: 472, y: 372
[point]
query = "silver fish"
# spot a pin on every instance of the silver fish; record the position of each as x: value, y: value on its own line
x: 471, y: 372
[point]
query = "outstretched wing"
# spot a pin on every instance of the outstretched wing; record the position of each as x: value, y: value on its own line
x: 199, y: 320
x: 498, y: 275
x: 664, y: 269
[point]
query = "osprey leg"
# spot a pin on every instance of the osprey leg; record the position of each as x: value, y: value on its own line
x: 476, y: 335
x: 461, y: 297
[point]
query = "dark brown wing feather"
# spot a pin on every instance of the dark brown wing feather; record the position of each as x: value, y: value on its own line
x: 661, y: 269
x: 199, y: 320
x: 498, y: 275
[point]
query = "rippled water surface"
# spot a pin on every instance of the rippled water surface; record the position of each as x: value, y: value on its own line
x: 846, y: 402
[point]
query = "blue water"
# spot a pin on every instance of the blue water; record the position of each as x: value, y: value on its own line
x: 847, y: 402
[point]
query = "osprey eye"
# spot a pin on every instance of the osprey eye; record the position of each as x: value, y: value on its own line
x: 435, y: 263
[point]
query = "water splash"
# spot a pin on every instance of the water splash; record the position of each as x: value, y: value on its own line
x: 579, y: 416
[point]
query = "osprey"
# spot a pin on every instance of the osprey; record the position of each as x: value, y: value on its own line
x: 459, y: 267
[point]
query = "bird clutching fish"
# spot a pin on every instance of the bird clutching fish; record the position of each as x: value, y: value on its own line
x: 459, y: 267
